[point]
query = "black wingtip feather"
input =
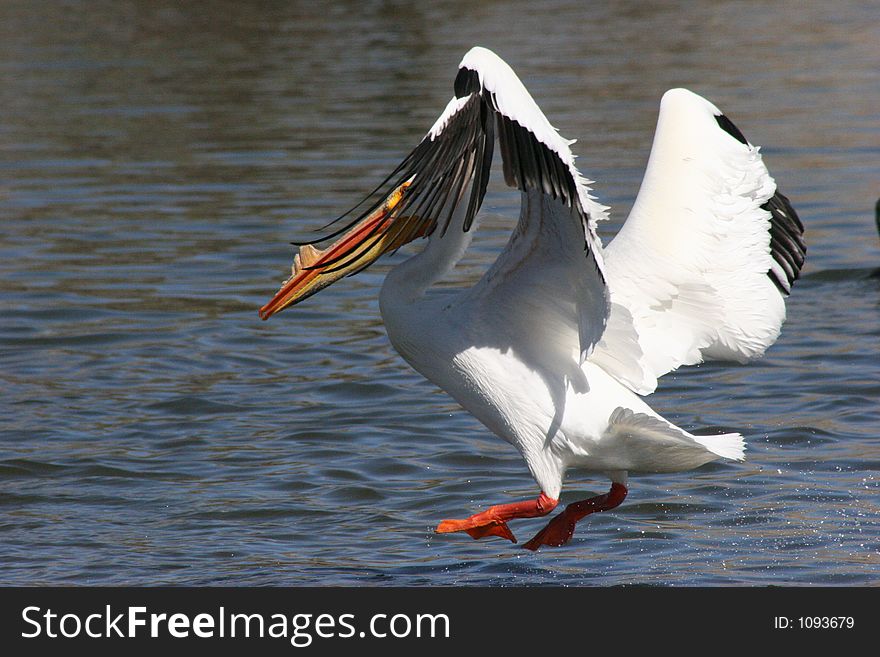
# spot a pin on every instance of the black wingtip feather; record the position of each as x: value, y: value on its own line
x: 532, y: 165
x: 466, y: 82
x: 787, y: 246
x: 727, y: 125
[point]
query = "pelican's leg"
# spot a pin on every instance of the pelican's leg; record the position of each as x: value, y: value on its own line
x: 493, y: 521
x: 559, y: 530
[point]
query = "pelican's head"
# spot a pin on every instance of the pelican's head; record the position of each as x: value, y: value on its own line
x: 377, y: 233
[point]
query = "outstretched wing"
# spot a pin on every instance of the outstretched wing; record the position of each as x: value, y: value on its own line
x: 545, y: 296
x: 551, y: 268
x: 546, y: 293
x: 707, y: 255
x: 447, y: 173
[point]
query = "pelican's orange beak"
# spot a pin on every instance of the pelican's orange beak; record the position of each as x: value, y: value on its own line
x: 314, y: 269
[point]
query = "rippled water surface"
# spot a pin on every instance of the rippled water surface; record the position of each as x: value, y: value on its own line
x: 157, y: 157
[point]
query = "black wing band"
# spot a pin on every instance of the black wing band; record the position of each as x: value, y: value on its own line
x: 787, y: 244
x: 531, y: 165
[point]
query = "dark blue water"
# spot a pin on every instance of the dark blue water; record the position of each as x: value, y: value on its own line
x: 157, y: 158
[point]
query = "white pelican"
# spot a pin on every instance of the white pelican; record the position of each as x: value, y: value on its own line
x: 554, y: 345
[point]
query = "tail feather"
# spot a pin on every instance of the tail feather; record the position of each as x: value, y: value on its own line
x: 729, y: 445
x: 653, y: 444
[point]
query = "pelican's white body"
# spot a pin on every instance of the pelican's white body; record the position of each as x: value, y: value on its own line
x: 553, y: 346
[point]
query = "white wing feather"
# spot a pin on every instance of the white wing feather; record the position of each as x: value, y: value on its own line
x: 690, y: 264
x: 543, y: 294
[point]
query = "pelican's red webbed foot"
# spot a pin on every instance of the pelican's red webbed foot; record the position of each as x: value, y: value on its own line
x: 560, y: 530
x: 493, y: 521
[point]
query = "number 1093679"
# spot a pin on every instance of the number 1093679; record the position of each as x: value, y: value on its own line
x: 814, y: 622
